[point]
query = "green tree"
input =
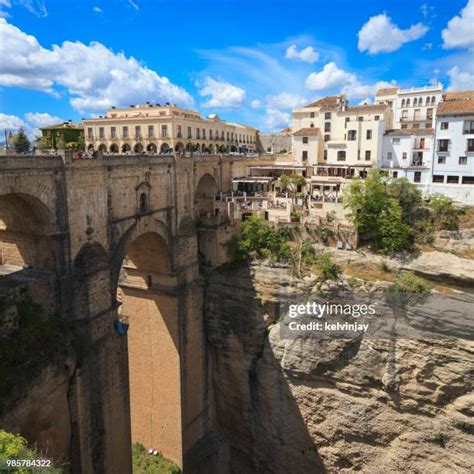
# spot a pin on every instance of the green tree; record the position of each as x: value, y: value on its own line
x: 42, y: 143
x: 21, y: 142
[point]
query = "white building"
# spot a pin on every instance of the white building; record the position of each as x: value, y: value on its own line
x: 408, y: 153
x: 453, y: 164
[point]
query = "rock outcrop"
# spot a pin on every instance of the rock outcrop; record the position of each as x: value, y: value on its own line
x: 300, y: 404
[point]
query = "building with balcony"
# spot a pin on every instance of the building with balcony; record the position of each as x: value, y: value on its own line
x: 453, y: 163
x: 408, y: 153
x: 412, y: 108
x: 156, y: 128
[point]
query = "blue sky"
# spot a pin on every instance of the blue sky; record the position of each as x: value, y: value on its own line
x: 250, y: 61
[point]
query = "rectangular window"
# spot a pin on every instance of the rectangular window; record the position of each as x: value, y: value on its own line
x: 468, y: 126
x: 429, y: 114
x: 198, y: 133
x: 441, y: 160
x: 190, y: 133
x: 325, y: 156
x: 101, y: 132
x: 377, y: 118
x: 179, y: 131
x: 352, y: 135
x: 396, y: 141
x: 367, y: 155
x: 210, y: 134
x: 90, y: 135
x: 404, y: 155
x: 452, y: 179
x: 327, y: 126
x: 151, y: 131
x: 341, y: 155
x: 327, y: 116
x: 470, y: 144
x: 346, y: 122
x: 125, y: 132
x: 395, y: 174
x: 463, y: 160
x: 369, y: 135
x: 389, y: 155
x: 204, y: 133
x: 305, y: 139
x: 164, y: 131
x: 311, y: 115
x: 417, y: 177
x: 438, y: 178
x: 443, y: 145
x: 360, y: 119
x: 113, y: 132
x: 327, y: 138
x: 305, y: 156
x: 138, y: 131
x: 468, y: 180
x: 444, y: 125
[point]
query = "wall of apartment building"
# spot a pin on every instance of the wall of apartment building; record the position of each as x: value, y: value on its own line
x: 450, y: 163
x: 312, y: 148
x: 404, y: 114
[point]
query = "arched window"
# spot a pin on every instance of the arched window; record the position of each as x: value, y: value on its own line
x: 415, y: 102
x: 408, y: 102
x: 433, y: 100
x: 143, y: 202
x: 403, y: 102
x: 428, y: 101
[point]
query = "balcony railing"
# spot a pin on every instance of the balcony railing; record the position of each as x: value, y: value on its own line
x: 468, y: 131
x: 423, y: 118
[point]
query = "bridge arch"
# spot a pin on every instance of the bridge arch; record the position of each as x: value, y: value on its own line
x: 27, y: 227
x: 151, y: 148
x: 126, y: 148
x: 206, y: 191
x: 147, y: 294
x: 138, y: 148
x: 114, y: 148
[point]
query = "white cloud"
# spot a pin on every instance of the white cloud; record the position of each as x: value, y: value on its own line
x: 380, y: 34
x: 276, y: 119
x: 94, y: 75
x: 97, y: 9
x: 329, y: 77
x: 5, y: 3
x: 37, y: 7
x: 10, y: 122
x: 358, y: 90
x: 256, y: 104
x: 307, y: 55
x: 133, y: 5
x: 222, y: 94
x: 460, y: 80
x: 284, y: 100
x: 460, y: 30
x: 366, y: 101
x: 42, y: 119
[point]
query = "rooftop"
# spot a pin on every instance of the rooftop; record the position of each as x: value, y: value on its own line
x: 409, y: 131
x: 365, y: 109
x: 63, y: 125
x: 330, y: 102
x: 453, y: 107
x: 388, y: 91
x: 462, y: 95
x: 305, y: 132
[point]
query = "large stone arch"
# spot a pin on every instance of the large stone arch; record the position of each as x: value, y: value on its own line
x: 27, y: 228
x: 205, y: 193
x: 149, y: 308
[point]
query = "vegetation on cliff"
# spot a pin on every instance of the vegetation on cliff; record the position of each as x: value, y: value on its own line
x: 144, y: 463
x: 14, y: 447
x: 39, y: 337
x: 391, y: 215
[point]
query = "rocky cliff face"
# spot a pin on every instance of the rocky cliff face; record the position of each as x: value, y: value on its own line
x: 307, y: 405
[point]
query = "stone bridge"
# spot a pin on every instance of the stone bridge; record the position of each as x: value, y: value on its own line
x: 115, y: 240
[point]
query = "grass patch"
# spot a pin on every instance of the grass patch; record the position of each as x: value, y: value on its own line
x: 466, y: 220
x: 369, y: 272
x: 146, y: 463
x: 407, y: 289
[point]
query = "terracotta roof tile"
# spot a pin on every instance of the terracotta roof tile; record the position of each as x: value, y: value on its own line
x: 306, y: 132
x: 388, y: 91
x: 361, y: 109
x: 461, y: 95
x: 453, y: 107
x: 332, y: 101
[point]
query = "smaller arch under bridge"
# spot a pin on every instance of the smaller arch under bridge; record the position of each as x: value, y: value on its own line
x: 115, y: 239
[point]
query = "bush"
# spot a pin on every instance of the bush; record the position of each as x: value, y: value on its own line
x: 407, y: 289
x: 327, y: 268
x: 260, y: 239
x: 444, y: 215
x: 149, y: 464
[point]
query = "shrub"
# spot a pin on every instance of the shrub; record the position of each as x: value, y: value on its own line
x: 327, y: 268
x: 444, y: 215
x: 143, y: 462
x: 407, y: 289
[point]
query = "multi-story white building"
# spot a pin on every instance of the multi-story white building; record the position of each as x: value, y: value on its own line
x: 453, y: 164
x: 412, y: 108
x: 157, y: 128
x: 408, y: 153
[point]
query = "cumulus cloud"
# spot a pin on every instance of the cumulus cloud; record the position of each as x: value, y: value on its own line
x: 221, y: 94
x: 460, y: 80
x: 330, y: 76
x: 358, y: 90
x: 256, y: 104
x: 93, y: 74
x: 276, y: 119
x: 307, y: 55
x: 10, y: 122
x: 5, y: 3
x: 380, y: 34
x: 97, y: 9
x: 284, y: 100
x: 460, y: 30
x: 42, y: 119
